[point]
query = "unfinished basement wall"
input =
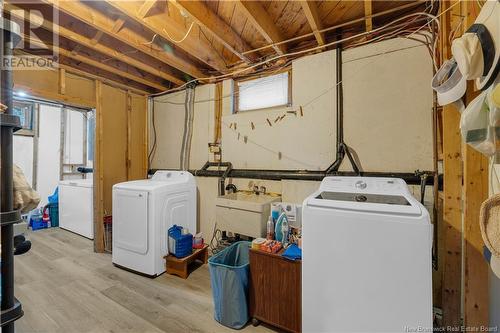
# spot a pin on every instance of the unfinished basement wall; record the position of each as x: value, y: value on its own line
x: 121, y: 121
x: 387, y: 111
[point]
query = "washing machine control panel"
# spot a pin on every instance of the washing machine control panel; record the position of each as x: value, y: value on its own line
x: 364, y: 185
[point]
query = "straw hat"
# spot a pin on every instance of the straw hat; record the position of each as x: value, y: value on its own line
x: 489, y: 220
x: 477, y: 51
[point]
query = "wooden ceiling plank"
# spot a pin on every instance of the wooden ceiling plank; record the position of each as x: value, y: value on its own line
x: 311, y: 12
x: 101, y: 22
x: 166, y: 28
x: 261, y: 20
x: 93, y: 44
x: 368, y: 15
x: 221, y: 31
x: 99, y: 64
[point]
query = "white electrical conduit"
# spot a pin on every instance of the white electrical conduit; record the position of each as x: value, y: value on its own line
x: 433, y: 18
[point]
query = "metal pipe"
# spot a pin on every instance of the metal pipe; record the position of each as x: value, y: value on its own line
x: 6, y: 180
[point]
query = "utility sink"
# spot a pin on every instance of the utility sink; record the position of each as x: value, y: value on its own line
x: 244, y: 213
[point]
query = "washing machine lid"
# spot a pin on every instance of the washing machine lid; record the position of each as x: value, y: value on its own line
x: 78, y: 182
x: 160, y: 179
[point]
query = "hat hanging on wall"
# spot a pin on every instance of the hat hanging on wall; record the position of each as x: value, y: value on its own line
x: 477, y: 51
x: 489, y: 220
x: 449, y: 83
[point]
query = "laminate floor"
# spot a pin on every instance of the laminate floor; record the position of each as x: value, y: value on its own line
x: 65, y: 287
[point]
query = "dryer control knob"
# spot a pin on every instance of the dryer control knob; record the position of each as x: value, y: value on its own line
x: 360, y: 184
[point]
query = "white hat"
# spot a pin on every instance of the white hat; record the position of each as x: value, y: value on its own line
x: 449, y: 83
x: 478, y: 50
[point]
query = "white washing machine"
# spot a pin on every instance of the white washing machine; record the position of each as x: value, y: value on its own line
x: 366, y: 258
x: 76, y: 206
x: 143, y: 211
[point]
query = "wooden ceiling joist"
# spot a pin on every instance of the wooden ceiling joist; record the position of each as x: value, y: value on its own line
x: 264, y: 24
x: 221, y: 31
x: 168, y: 29
x: 105, y: 24
x: 94, y: 45
x: 310, y: 9
x: 98, y: 64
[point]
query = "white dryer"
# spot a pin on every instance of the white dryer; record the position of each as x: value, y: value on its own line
x: 143, y: 211
x: 366, y: 258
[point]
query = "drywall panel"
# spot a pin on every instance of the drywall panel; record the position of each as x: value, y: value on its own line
x: 74, y: 127
x: 114, y: 141
x: 138, y: 139
x: 23, y: 155
x: 49, y: 143
x: 388, y: 106
x: 298, y: 141
x: 169, y: 116
x: 295, y: 191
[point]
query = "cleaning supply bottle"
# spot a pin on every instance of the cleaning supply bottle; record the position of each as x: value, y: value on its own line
x: 270, y: 228
x: 46, y: 218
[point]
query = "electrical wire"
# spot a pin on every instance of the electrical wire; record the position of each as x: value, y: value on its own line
x: 297, y: 53
x: 183, y: 38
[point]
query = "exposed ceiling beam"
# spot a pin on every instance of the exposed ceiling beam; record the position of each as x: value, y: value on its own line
x: 264, y: 24
x: 93, y: 44
x: 221, y: 31
x: 99, y: 64
x: 311, y: 11
x: 100, y: 21
x: 368, y: 15
x: 167, y: 28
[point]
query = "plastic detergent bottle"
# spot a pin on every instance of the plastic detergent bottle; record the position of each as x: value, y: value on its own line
x: 270, y: 228
x: 46, y: 218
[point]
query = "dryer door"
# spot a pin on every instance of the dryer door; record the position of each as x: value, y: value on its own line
x: 130, y: 220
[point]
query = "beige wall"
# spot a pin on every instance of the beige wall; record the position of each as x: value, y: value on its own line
x: 388, y: 121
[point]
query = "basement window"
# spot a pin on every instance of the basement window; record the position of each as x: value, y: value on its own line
x: 26, y: 112
x: 263, y: 92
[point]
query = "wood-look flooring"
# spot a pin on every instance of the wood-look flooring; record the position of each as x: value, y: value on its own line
x: 65, y: 287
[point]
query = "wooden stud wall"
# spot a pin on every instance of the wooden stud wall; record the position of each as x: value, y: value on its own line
x: 465, y: 188
x: 120, y: 143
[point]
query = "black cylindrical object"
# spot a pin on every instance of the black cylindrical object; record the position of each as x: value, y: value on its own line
x: 6, y: 186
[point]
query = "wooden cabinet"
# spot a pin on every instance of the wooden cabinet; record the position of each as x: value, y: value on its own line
x: 275, y: 290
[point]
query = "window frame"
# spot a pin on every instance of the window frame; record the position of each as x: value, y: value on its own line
x: 236, y: 91
x: 33, y: 117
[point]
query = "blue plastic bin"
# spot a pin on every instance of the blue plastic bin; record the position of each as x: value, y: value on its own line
x: 229, y: 270
x: 178, y: 244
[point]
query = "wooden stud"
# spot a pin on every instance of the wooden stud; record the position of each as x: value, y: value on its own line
x: 62, y: 81
x: 218, y: 112
x: 102, y: 22
x: 168, y: 28
x: 311, y: 12
x: 264, y: 24
x: 98, y: 173
x: 128, y: 161
x: 368, y: 15
x: 476, y: 176
x: 221, y: 31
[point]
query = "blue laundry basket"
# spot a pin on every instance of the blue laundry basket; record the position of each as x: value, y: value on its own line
x: 229, y: 270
